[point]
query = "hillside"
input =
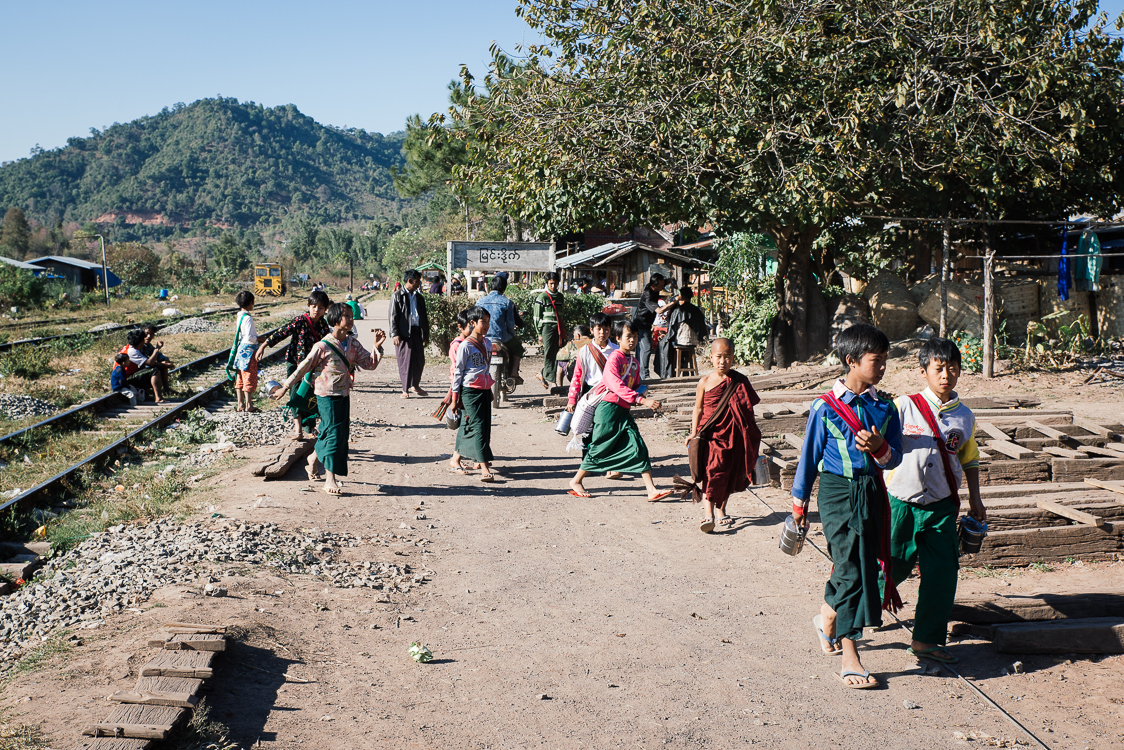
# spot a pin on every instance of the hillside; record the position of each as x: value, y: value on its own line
x: 217, y: 162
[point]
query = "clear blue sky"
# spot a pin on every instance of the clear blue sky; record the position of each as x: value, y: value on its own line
x: 71, y: 65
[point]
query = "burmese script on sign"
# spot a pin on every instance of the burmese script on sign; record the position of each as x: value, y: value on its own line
x: 502, y: 256
x: 490, y: 255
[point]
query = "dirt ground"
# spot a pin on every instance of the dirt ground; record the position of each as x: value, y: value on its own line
x: 559, y: 622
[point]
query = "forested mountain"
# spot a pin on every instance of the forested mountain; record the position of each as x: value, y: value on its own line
x: 217, y: 162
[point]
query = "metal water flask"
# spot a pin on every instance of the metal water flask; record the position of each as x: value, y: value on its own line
x: 563, y: 426
x: 761, y: 471
x: 792, y: 536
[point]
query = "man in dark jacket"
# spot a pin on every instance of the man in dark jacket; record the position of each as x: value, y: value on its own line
x: 645, y: 317
x: 409, y: 329
x: 684, y: 313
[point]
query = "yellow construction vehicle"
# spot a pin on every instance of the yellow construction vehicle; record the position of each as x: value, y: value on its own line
x: 267, y: 279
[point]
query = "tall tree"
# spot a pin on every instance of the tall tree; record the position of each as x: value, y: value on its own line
x: 15, y: 237
x: 784, y: 116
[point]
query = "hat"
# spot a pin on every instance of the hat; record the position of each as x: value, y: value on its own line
x: 349, y: 296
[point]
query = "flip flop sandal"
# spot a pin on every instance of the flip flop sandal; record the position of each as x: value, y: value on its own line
x: 458, y: 470
x: 931, y: 653
x: 661, y: 496
x: 832, y: 643
x: 842, y: 677
x: 575, y: 493
x: 337, y: 491
x: 487, y: 478
x: 618, y: 477
x: 726, y: 521
x: 707, y: 525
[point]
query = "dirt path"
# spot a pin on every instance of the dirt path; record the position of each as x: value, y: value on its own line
x: 558, y: 622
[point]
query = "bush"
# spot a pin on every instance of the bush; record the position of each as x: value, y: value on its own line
x: 29, y: 362
x: 20, y: 288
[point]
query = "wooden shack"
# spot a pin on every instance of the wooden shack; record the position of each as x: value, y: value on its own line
x: 625, y: 266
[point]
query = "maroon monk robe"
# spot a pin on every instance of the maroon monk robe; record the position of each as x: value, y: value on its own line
x: 729, y: 448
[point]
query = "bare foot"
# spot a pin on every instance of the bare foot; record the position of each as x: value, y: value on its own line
x: 577, y: 487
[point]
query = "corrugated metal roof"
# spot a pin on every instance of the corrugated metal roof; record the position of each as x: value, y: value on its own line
x: 603, y: 254
x: 69, y: 261
x: 21, y: 264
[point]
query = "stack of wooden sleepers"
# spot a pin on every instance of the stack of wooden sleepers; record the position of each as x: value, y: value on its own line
x: 168, y: 689
x: 1045, y: 623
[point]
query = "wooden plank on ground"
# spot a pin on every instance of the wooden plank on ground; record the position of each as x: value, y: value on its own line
x: 1051, y: 544
x: 1089, y: 635
x: 193, y: 627
x: 286, y: 457
x: 1008, y: 448
x: 992, y: 609
x: 800, y: 410
x: 116, y: 743
x: 183, y: 700
x: 190, y: 642
x: 1091, y: 426
x: 991, y: 431
x: 1063, y: 452
x: 1012, y: 518
x: 1103, y: 452
x: 1071, y: 513
x: 1016, y: 471
x: 795, y: 441
x: 189, y: 685
x: 1117, y: 487
x: 1073, y: 470
x: 180, y: 664
x: 1046, y: 430
x: 1018, y: 490
x: 137, y: 721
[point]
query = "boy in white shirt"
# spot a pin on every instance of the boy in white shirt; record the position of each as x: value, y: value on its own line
x: 244, y: 353
x: 924, y: 499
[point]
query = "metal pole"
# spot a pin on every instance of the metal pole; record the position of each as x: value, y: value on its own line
x: 351, y: 274
x: 989, y: 307
x: 945, y: 248
x: 104, y: 271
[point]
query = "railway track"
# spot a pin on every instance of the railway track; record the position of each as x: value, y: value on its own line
x: 133, y: 420
x: 159, y: 322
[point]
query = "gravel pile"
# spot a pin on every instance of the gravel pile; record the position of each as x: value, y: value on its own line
x: 22, y: 407
x: 105, y: 327
x: 192, y: 325
x: 121, y: 567
x: 261, y: 428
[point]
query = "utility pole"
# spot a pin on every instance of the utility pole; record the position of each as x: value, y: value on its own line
x: 946, y: 248
x: 104, y: 267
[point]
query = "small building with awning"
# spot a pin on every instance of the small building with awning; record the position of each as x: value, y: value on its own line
x: 84, y: 275
x: 35, y: 270
x: 626, y: 266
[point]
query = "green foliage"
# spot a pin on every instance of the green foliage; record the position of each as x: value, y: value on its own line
x: 442, y: 311
x: 971, y: 351
x: 15, y: 237
x: 750, y: 327
x: 133, y: 263
x: 28, y: 362
x: 213, y: 162
x: 20, y: 288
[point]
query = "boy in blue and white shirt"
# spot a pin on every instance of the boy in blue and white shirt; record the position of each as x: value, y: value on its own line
x: 924, y: 502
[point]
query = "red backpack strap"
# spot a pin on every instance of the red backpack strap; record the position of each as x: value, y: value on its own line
x: 926, y: 410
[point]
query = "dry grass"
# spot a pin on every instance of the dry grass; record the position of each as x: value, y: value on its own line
x: 17, y: 736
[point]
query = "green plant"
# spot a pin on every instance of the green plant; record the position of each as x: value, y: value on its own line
x: 1040, y: 566
x: 29, y: 362
x: 971, y: 351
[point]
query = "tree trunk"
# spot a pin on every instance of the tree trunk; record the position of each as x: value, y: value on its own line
x: 799, y: 332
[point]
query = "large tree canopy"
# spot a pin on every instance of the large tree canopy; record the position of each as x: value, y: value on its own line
x: 784, y: 116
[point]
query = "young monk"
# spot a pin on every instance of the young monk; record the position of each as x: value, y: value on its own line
x: 728, y: 438
x: 333, y: 360
x: 939, y: 451
x: 472, y: 391
x: 853, y: 434
x: 303, y: 331
x: 616, y: 444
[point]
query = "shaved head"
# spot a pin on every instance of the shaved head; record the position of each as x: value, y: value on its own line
x: 720, y: 343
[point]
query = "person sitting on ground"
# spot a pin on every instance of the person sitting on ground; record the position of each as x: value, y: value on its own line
x: 939, y: 451
x: 503, y: 322
x: 303, y: 332
x: 852, y: 436
x: 725, y: 434
x: 120, y: 372
x: 333, y: 361
x: 136, y: 354
x: 615, y: 443
x: 162, y: 364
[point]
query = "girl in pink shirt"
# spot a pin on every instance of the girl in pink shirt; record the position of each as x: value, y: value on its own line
x: 615, y: 444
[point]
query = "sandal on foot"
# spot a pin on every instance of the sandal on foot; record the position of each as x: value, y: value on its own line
x: 842, y: 677
x: 726, y: 521
x: 458, y: 470
x: 660, y: 496
x: 575, y: 493
x: 829, y: 646
x: 616, y: 475
x: 932, y: 653
x: 337, y: 491
x: 488, y: 478
x: 707, y: 525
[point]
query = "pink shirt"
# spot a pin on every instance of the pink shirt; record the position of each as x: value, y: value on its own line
x: 586, y: 370
x: 620, y: 380
x: 332, y: 376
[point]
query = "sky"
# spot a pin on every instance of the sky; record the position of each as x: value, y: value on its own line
x: 72, y: 65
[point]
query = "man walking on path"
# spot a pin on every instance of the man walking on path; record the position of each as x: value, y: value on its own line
x: 409, y: 329
x: 548, y: 322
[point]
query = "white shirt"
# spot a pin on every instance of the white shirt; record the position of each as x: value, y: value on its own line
x: 247, y: 331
